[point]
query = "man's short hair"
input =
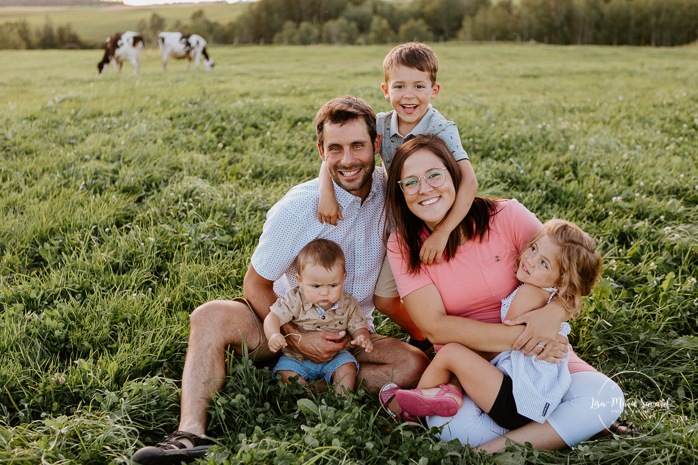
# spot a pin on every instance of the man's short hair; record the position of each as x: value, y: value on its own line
x: 341, y: 110
x: 412, y: 55
x: 323, y: 252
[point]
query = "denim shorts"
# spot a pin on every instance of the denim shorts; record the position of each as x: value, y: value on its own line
x: 310, y: 371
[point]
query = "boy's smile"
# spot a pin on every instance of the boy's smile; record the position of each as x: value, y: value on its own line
x: 410, y: 91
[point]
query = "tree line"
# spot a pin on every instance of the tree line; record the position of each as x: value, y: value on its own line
x: 19, y: 35
x: 305, y: 22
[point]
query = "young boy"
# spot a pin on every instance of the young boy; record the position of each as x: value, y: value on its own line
x: 410, y: 83
x: 318, y: 303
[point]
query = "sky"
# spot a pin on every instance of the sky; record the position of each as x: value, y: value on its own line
x: 162, y: 2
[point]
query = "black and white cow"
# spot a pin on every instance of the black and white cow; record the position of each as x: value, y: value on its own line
x: 121, y: 47
x: 183, y: 46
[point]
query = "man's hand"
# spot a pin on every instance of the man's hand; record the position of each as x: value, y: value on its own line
x: 317, y: 346
x: 541, y: 337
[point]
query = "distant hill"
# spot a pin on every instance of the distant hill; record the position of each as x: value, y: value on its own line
x: 49, y: 2
x: 93, y: 20
x: 67, y: 2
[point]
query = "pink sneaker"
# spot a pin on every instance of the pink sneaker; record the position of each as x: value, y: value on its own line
x: 413, y: 401
x: 385, y: 395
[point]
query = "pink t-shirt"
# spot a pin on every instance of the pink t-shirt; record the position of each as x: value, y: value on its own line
x: 473, y: 283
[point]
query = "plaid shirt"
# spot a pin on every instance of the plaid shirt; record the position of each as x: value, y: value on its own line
x: 293, y: 308
x: 431, y: 123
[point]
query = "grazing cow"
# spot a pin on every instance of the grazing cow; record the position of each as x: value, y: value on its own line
x: 183, y: 46
x: 121, y: 47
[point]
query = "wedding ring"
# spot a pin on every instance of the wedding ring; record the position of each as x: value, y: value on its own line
x: 541, y: 346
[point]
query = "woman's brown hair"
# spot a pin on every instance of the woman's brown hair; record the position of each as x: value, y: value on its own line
x: 410, y: 228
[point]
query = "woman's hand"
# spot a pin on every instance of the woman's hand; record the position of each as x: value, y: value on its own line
x: 542, y: 334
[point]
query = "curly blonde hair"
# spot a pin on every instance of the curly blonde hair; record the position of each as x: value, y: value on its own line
x: 579, y: 262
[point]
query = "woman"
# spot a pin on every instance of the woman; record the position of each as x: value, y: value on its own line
x: 459, y: 299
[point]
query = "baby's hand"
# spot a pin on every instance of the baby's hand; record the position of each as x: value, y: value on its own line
x: 363, y: 341
x: 276, y: 342
x: 433, y: 248
x: 328, y: 211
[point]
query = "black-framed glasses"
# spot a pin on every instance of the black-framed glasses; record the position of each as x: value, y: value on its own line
x: 435, y: 177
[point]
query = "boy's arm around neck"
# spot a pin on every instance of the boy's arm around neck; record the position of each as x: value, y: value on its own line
x: 434, y: 245
x: 328, y: 210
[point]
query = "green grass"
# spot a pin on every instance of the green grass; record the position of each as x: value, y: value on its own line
x: 95, y: 22
x: 127, y: 201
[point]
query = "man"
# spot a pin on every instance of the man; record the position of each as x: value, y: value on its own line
x: 347, y: 142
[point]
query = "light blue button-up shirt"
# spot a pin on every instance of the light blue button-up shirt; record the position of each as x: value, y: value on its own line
x: 292, y: 223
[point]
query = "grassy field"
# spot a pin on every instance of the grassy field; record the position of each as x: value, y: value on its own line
x: 95, y: 22
x: 129, y: 200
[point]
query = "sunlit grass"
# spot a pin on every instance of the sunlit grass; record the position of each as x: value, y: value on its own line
x: 128, y: 200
